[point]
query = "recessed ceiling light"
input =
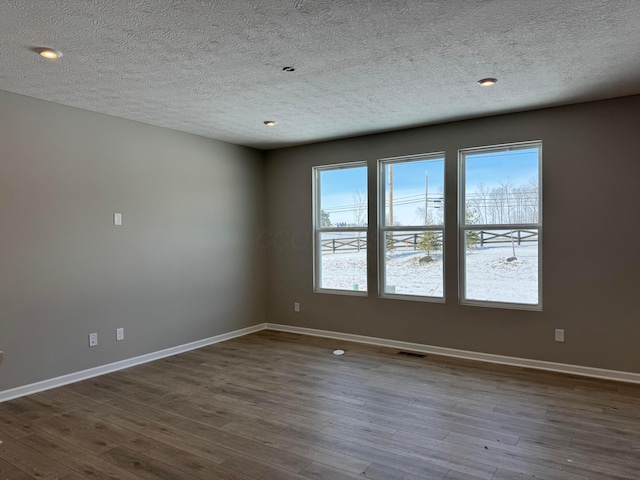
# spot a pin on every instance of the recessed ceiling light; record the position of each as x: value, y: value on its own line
x: 270, y: 123
x: 49, y: 53
x: 487, y: 82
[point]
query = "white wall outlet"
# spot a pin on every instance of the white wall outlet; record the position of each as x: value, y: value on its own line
x: 559, y: 335
x: 296, y: 307
x: 119, y: 334
x: 117, y: 219
x: 93, y: 339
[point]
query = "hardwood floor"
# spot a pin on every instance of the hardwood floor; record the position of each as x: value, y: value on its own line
x: 278, y: 406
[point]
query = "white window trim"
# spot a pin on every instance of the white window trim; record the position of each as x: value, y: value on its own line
x: 462, y: 228
x: 318, y: 230
x: 383, y: 229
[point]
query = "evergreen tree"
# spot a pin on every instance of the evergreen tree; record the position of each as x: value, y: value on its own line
x: 472, y: 238
x: 389, y: 240
x: 429, y: 242
x: 389, y: 237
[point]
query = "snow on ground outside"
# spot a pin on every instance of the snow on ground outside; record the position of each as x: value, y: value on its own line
x: 490, y: 276
x: 409, y: 277
x: 344, y: 271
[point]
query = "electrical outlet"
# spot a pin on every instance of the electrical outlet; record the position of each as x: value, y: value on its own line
x: 559, y: 335
x: 117, y: 219
x: 93, y: 339
x: 119, y: 334
x: 296, y: 307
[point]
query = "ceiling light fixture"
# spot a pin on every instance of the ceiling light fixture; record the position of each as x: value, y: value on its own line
x: 49, y: 53
x: 270, y: 123
x: 487, y: 82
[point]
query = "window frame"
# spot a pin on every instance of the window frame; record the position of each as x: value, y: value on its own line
x: 318, y: 230
x: 463, y: 228
x: 382, y: 228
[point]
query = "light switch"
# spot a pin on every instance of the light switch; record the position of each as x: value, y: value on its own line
x: 117, y: 219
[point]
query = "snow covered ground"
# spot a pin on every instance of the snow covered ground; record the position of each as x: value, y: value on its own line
x: 345, y: 271
x: 407, y: 276
x: 489, y: 276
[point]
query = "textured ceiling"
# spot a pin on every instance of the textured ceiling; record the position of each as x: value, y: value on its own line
x: 214, y: 68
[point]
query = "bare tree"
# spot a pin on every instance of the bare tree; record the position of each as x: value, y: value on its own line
x: 359, y: 202
x: 504, y: 204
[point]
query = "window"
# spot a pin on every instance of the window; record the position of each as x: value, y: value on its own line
x: 501, y: 226
x: 340, y: 228
x: 411, y: 234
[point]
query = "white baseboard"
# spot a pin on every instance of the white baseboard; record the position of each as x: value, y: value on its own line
x: 592, y: 372
x: 122, y: 364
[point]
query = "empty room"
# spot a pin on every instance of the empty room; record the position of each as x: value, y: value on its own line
x: 319, y: 240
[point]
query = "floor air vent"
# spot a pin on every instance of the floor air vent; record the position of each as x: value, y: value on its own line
x: 411, y: 354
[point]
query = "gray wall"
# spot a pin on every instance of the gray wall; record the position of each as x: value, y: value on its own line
x: 184, y: 266
x: 591, y: 257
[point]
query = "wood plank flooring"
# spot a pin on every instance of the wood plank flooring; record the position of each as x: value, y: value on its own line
x: 278, y: 406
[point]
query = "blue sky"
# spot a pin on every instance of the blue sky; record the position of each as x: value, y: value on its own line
x: 518, y: 166
x: 410, y: 183
x: 409, y: 180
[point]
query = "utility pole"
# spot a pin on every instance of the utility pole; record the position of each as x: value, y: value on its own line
x: 426, y: 198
